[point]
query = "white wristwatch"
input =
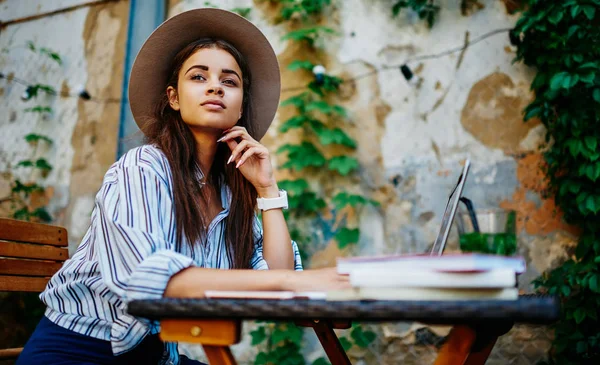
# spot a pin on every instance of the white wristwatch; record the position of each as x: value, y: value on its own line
x: 273, y: 203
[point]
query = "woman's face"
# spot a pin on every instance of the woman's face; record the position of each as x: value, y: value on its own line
x: 209, y: 91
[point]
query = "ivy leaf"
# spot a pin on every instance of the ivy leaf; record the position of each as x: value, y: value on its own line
x: 299, y: 101
x: 591, y: 142
x: 39, y: 109
x: 572, y: 30
x: 597, y: 95
x: 575, y: 146
x: 297, y: 121
x: 343, y: 164
x: 556, y: 17
x: 335, y: 136
x: 244, y: 12
x: 325, y: 108
x: 53, y: 55
x: 261, y: 359
x: 301, y: 156
x: 593, y: 284
x: 591, y: 204
x: 294, y: 187
x: 346, y: 344
x: 42, y: 214
x: 21, y: 214
x: 531, y: 112
x: 298, y: 64
x: 309, y: 35
x: 589, y: 11
x: 557, y: 80
x: 343, y: 199
x: 306, y: 203
x: 25, y: 163
x: 321, y: 361
x: 362, y: 338
x: 258, y: 335
x: 31, y: 45
x: 588, y: 78
x: 579, y: 315
x: 33, y: 138
x: 42, y: 164
x: 346, y: 236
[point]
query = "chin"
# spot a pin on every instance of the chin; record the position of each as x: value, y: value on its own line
x: 213, y: 121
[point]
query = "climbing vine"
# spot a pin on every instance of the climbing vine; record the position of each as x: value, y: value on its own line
x: 28, y: 198
x: 26, y: 195
x: 561, y: 40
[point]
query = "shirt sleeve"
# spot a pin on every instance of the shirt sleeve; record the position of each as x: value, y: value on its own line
x: 135, y: 217
x: 258, y: 262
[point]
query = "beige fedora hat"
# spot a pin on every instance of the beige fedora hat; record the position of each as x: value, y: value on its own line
x: 152, y: 65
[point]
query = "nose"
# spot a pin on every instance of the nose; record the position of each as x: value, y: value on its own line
x: 215, y: 89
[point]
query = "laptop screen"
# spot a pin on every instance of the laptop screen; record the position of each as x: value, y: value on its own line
x: 440, y: 242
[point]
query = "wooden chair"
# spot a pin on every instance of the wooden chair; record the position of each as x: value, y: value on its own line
x: 30, y: 253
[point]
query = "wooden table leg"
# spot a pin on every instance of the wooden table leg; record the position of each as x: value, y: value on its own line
x: 331, y: 344
x: 220, y: 355
x: 467, y: 345
x: 215, y: 336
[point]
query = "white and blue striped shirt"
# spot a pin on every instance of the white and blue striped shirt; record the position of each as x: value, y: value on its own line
x: 130, y: 251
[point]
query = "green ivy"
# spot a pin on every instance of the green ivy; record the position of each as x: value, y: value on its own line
x: 302, y: 8
x: 560, y: 39
x: 426, y: 9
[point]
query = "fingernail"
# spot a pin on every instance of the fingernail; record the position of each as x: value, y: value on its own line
x: 238, y: 164
x: 228, y: 161
x: 220, y: 139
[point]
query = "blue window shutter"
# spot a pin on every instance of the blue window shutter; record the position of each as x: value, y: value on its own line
x: 144, y: 17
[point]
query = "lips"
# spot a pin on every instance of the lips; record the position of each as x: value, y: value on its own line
x: 214, y: 102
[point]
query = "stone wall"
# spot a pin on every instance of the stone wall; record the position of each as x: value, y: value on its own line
x: 412, y: 138
x: 89, y: 37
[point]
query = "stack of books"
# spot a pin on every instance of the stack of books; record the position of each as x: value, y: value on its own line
x: 424, y: 277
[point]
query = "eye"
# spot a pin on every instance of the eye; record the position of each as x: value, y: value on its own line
x: 230, y: 82
x: 198, y: 77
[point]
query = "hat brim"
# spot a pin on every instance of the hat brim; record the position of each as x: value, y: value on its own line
x: 152, y: 65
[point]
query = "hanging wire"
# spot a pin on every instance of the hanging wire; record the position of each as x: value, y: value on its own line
x: 403, y: 67
x: 415, y: 58
x: 83, y: 94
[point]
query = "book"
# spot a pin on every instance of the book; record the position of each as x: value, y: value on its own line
x: 411, y: 277
x: 276, y: 295
x: 434, y: 294
x: 449, y: 263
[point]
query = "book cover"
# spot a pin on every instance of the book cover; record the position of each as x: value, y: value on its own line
x: 412, y: 277
x: 449, y: 263
x: 422, y: 294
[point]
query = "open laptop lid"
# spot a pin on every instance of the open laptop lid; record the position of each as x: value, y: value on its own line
x: 440, y: 242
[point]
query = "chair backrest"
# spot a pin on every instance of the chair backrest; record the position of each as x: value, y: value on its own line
x: 30, y: 253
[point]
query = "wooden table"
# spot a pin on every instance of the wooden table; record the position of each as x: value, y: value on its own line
x: 216, y: 323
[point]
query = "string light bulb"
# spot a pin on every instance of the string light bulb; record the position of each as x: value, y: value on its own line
x: 410, y: 77
x: 319, y: 72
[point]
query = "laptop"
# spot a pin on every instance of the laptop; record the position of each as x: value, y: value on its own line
x: 450, y: 212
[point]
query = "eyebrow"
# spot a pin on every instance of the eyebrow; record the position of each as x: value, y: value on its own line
x: 205, y: 68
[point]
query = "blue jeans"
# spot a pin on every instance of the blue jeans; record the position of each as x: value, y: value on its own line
x: 51, y: 344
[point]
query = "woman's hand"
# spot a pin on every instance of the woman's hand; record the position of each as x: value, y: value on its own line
x: 251, y: 158
x: 316, y: 280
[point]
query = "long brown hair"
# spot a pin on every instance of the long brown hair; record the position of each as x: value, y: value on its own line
x: 169, y: 132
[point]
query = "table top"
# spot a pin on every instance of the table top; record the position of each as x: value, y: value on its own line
x: 533, y: 309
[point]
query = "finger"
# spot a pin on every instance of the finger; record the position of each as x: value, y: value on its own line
x: 243, y: 145
x: 236, y: 133
x: 238, y: 150
x: 249, y: 152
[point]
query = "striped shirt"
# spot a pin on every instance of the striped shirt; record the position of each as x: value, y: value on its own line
x: 130, y: 251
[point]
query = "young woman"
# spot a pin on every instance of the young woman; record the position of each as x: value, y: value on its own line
x: 170, y: 215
